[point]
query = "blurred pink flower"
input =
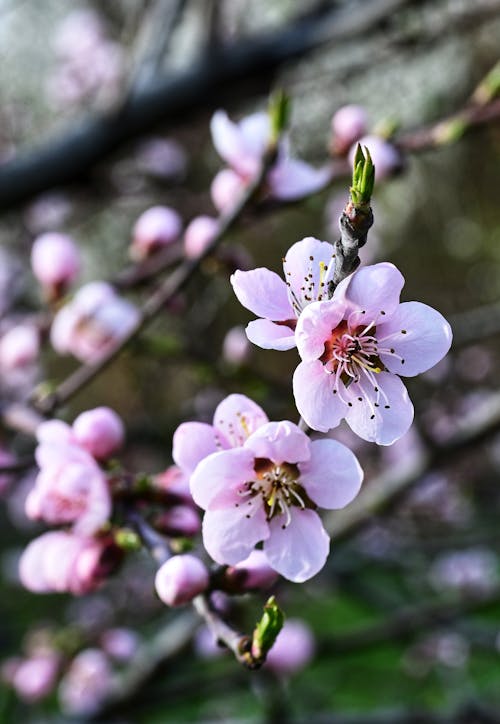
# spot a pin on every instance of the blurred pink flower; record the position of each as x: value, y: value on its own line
x: 294, y: 648
x: 155, y: 228
x: 34, y: 678
x: 180, y: 579
x: 19, y: 347
x: 349, y: 123
x: 55, y: 260
x: 386, y: 157
x: 235, y: 347
x: 199, y: 234
x: 99, y: 431
x: 86, y: 684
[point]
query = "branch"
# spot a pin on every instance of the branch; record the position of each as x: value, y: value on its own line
x: 210, y: 81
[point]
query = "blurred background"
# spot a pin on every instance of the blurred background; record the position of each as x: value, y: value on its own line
x: 105, y: 110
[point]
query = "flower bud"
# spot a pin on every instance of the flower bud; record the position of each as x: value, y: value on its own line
x: 294, y: 648
x: 35, y: 677
x: 55, y: 260
x: 19, y: 347
x: 86, y: 683
x: 181, y: 520
x: 236, y: 347
x: 226, y: 189
x: 156, y: 227
x: 254, y: 571
x: 199, y: 234
x: 100, y: 431
x: 385, y: 156
x: 120, y: 643
x: 349, y: 123
x: 174, y: 481
x: 180, y: 579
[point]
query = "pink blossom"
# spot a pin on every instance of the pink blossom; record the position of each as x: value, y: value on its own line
x: 242, y: 146
x: 349, y: 123
x: 268, y: 490
x: 99, y: 431
x: 355, y: 346
x: 180, y: 579
x: 55, y: 260
x: 180, y: 520
x: 235, y: 419
x: 93, y: 322
x: 385, y: 156
x: 19, y: 347
x: 199, y: 234
x: 86, y: 684
x: 35, y: 677
x: 70, y: 487
x: 60, y: 561
x: 225, y: 189
x: 308, y: 267
x: 294, y: 648
x: 157, y: 227
x: 120, y: 643
x: 235, y: 348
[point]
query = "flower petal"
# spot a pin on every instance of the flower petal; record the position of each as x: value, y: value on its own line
x: 227, y: 138
x: 315, y: 326
x: 315, y: 398
x: 230, y: 535
x: 332, y: 477
x: 281, y: 442
x: 216, y: 479
x: 305, y: 262
x: 194, y: 441
x: 293, y: 179
x: 374, y: 289
x: 264, y: 293
x: 417, y: 333
x: 390, y: 420
x: 269, y: 335
x: 237, y: 417
x: 299, y: 550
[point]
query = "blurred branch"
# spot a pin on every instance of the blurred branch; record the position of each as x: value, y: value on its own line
x: 209, y: 81
x: 382, y: 492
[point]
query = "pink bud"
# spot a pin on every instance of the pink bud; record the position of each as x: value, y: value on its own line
x: 19, y: 347
x: 386, y: 157
x: 226, y: 189
x: 236, y: 347
x: 100, y: 431
x: 348, y: 124
x: 34, y: 678
x: 120, y: 643
x: 156, y: 227
x: 174, y: 481
x: 256, y: 571
x: 55, y: 260
x: 181, y: 520
x: 293, y: 649
x: 199, y: 234
x: 180, y: 579
x: 86, y: 683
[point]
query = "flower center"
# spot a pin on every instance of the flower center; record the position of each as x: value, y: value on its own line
x: 278, y: 488
x: 349, y: 353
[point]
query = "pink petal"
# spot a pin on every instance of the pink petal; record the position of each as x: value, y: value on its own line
x: 388, y: 422
x: 230, y: 535
x: 303, y: 266
x: 237, y: 417
x: 333, y: 476
x: 293, y: 179
x: 315, y: 398
x: 215, y: 481
x: 270, y: 335
x: 300, y: 550
x: 315, y: 326
x: 241, y: 145
x: 425, y: 341
x: 256, y: 132
x: 55, y: 431
x: 227, y: 138
x: 374, y: 290
x: 264, y: 293
x: 194, y: 441
x: 281, y: 442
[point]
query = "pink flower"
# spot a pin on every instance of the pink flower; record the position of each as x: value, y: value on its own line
x: 353, y: 348
x: 349, y: 123
x: 385, y: 156
x: 157, y: 227
x: 308, y: 267
x: 86, y: 684
x: 99, y: 431
x: 294, y: 648
x: 70, y: 487
x: 235, y: 348
x: 242, y: 145
x: 235, y: 419
x: 199, y: 233
x: 180, y: 579
x: 268, y: 490
x: 55, y: 260
x: 19, y: 347
x: 60, y: 561
x: 34, y: 678
x: 93, y: 322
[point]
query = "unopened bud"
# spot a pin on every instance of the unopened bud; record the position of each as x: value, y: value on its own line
x: 293, y: 649
x: 155, y: 228
x: 199, y: 234
x: 55, y: 260
x: 349, y: 124
x: 100, y: 431
x: 180, y: 579
x: 19, y: 347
